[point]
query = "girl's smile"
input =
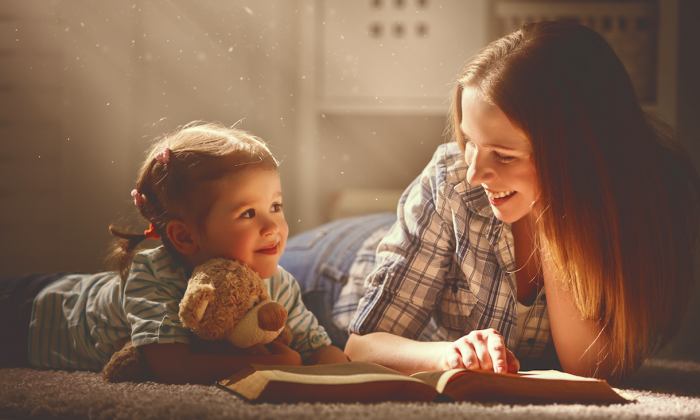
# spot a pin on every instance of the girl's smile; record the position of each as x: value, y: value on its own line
x: 246, y: 222
x: 270, y: 250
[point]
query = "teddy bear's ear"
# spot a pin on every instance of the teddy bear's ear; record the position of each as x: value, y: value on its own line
x: 194, y: 304
x: 200, y: 308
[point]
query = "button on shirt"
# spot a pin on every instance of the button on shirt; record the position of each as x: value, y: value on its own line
x: 448, y: 261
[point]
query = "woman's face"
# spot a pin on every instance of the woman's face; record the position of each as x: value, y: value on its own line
x: 499, y: 158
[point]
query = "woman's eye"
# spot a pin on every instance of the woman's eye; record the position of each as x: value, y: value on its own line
x: 503, y: 158
x: 276, y: 208
x: 248, y: 214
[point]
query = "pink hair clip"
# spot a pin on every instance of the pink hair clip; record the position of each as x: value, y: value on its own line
x: 164, y: 155
x: 138, y: 200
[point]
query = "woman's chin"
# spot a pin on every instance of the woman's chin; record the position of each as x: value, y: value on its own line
x: 508, y: 216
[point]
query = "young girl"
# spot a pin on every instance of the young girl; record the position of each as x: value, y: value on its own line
x: 561, y: 224
x: 207, y: 191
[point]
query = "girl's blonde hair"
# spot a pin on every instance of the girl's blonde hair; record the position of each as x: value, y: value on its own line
x: 618, y: 195
x: 183, y: 188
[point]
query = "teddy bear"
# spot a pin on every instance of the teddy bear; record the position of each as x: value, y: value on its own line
x: 224, y: 300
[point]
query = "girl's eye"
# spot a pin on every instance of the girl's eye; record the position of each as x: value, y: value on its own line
x: 467, y: 142
x: 503, y: 158
x: 248, y: 214
x: 276, y: 208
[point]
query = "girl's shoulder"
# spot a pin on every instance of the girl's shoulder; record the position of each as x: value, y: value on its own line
x: 158, y: 263
x: 281, y: 277
x: 282, y: 286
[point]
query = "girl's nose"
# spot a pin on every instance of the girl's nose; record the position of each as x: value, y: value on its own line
x: 269, y: 226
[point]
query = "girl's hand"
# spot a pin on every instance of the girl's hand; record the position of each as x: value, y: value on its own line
x: 480, y: 349
x: 327, y: 355
x: 287, y: 356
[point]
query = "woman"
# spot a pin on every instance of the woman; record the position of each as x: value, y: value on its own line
x: 561, y: 225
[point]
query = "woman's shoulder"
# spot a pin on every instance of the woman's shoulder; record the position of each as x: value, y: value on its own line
x: 447, y: 159
x: 450, y: 168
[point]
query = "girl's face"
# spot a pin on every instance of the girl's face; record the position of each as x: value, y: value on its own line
x: 246, y: 222
x: 499, y: 158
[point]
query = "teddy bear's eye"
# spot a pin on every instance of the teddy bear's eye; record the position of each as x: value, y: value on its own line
x: 254, y: 300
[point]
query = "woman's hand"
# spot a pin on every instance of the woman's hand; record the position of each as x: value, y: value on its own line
x: 480, y: 349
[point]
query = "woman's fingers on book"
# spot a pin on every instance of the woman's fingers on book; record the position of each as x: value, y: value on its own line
x: 513, y: 362
x: 498, y: 351
x: 480, y: 349
x: 484, y: 352
x: 459, y: 354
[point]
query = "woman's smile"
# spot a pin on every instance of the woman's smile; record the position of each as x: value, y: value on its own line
x: 498, y: 198
x: 498, y: 154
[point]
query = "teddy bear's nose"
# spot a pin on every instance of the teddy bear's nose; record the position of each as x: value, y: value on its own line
x: 272, y: 316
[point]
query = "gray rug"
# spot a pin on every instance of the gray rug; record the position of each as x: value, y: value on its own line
x: 663, y: 388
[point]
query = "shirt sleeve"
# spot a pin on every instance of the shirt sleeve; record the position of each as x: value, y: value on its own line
x: 307, y: 335
x: 354, y: 289
x: 151, y: 306
x: 413, y: 259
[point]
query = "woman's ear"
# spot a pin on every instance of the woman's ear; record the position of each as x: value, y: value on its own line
x: 182, y: 237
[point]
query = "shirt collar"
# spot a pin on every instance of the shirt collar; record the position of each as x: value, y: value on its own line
x: 474, y: 196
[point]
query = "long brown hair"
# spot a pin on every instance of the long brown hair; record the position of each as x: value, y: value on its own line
x: 618, y: 194
x: 183, y: 188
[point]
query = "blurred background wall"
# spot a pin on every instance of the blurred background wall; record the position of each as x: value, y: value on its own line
x: 352, y: 96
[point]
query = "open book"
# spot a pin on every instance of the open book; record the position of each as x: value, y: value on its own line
x: 367, y: 382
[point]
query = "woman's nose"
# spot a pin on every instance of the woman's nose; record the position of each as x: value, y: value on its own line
x: 479, y: 171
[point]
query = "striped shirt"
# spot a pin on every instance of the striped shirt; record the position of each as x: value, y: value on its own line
x: 80, y: 320
x: 447, y: 262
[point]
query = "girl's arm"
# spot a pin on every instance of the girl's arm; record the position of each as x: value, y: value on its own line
x: 483, y: 349
x: 581, y: 344
x: 327, y: 355
x: 174, y: 364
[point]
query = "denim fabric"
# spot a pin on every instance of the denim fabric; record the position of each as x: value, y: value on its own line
x: 320, y: 260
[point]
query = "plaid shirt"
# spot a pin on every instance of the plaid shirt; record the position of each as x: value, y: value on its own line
x: 449, y: 262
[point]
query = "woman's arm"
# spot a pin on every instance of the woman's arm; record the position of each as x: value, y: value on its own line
x: 581, y: 344
x: 395, y: 352
x: 174, y: 364
x: 482, y: 349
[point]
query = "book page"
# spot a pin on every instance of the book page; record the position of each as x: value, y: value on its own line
x: 555, y: 374
x: 438, y: 378
x: 333, y: 374
x: 342, y: 382
x: 530, y: 387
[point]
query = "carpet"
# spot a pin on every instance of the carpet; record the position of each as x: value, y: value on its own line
x: 664, y: 389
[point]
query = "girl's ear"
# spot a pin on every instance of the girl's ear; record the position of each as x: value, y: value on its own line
x: 182, y: 237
